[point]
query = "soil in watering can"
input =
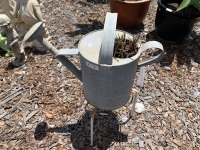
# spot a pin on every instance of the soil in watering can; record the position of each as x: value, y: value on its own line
x: 125, y: 48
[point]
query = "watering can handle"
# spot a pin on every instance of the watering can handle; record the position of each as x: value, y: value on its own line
x: 108, y: 39
x: 148, y: 45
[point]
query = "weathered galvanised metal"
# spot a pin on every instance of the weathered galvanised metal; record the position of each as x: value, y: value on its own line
x: 107, y: 81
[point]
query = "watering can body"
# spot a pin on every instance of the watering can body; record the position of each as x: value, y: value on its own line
x: 106, y: 87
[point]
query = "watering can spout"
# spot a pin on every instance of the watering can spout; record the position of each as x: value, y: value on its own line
x: 35, y: 34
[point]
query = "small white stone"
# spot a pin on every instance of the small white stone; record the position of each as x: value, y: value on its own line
x: 103, y: 114
x: 139, y: 107
x: 59, y: 65
x: 124, y: 119
x: 20, y: 123
x: 73, y: 121
x: 51, y: 126
x: 2, y: 110
x: 167, y: 68
x: 136, y: 140
x: 195, y: 94
x: 36, y: 106
x: 190, y: 38
x: 141, y: 143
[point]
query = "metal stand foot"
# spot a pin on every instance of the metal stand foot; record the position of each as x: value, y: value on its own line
x: 136, y: 93
x: 132, y: 111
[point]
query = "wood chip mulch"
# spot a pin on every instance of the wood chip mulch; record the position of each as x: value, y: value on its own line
x: 42, y: 105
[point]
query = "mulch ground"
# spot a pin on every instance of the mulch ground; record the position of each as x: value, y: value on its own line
x: 42, y: 104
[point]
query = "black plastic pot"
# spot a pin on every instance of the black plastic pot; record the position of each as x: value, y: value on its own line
x: 173, y: 26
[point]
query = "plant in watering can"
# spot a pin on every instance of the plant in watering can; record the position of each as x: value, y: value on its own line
x: 126, y: 47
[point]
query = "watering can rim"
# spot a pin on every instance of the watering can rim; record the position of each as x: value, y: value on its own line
x: 116, y: 61
x: 116, y: 32
x: 119, y: 61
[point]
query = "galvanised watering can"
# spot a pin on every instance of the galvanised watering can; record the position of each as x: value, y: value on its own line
x: 107, y: 81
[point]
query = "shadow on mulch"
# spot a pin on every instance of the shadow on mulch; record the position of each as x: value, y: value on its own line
x: 83, y: 29
x: 106, y: 131
x: 2, y: 52
x: 28, y: 51
x: 10, y: 66
x: 97, y: 25
x: 34, y: 51
x: 135, y: 30
x: 184, y: 52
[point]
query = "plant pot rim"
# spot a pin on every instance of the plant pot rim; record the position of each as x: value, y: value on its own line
x: 175, y: 13
x: 132, y: 2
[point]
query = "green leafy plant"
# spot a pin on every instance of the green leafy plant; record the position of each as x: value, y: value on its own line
x: 3, y: 46
x: 186, y: 3
x: 125, y: 47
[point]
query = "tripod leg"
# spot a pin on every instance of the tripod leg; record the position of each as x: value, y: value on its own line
x: 91, y: 125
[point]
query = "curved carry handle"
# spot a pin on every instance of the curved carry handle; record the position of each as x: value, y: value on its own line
x: 108, y: 39
x: 148, y: 45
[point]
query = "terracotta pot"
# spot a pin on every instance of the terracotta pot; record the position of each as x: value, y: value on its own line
x: 130, y: 13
